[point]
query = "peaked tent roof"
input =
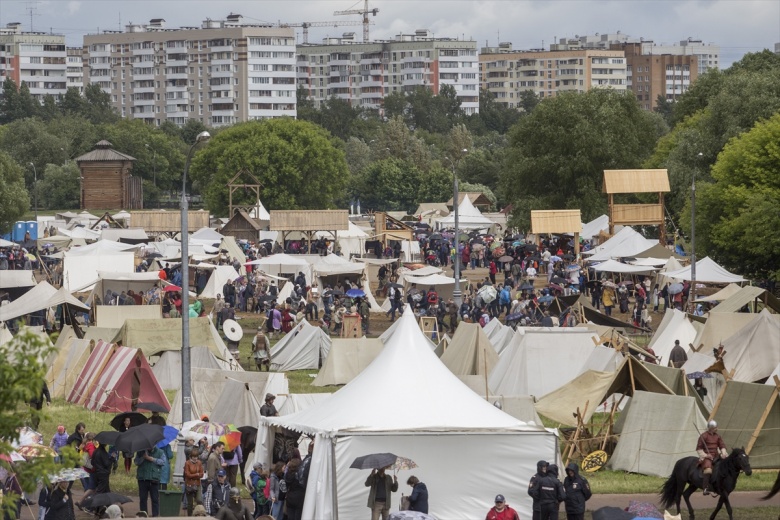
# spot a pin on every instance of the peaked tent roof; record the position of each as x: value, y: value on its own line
x: 707, y: 271
x: 219, y: 276
x: 677, y: 382
x: 41, y: 296
x: 296, y: 402
x: 238, y: 404
x: 749, y: 415
x: 469, y: 217
x: 720, y: 327
x: 156, y: 336
x: 259, y: 212
x: 625, y: 243
x: 725, y: 293
x: 431, y: 399
x: 745, y: 296
x: 753, y: 351
x: 538, y: 362
x: 658, y: 430
x: 470, y: 351
x: 72, y: 355
x: 207, y: 234
x: 674, y: 326
x: 613, y: 266
x: 346, y: 359
x: 594, y: 227
x: 593, y: 388
x: 304, y: 347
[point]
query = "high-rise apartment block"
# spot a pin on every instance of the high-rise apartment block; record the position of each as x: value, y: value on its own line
x: 219, y: 73
x: 707, y: 55
x: 35, y: 59
x: 75, y: 70
x: 507, y: 73
x: 364, y: 73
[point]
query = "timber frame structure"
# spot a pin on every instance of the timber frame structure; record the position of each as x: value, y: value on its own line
x: 234, y: 185
x: 637, y: 181
x: 557, y: 221
x: 308, y: 222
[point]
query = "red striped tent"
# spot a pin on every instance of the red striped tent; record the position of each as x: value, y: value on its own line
x: 101, y: 353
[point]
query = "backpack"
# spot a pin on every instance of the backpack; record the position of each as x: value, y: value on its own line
x: 267, y: 488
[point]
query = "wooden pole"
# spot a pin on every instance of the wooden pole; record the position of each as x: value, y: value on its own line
x: 685, y: 382
x: 580, y: 427
x: 484, y: 363
x: 718, y: 400
x: 631, y: 375
x: 764, y: 416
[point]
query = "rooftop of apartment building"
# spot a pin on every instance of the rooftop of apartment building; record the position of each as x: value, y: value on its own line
x: 13, y: 31
x: 506, y: 48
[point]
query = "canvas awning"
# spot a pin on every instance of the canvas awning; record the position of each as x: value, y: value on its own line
x: 707, y: 271
x: 16, y: 279
x: 613, y: 266
x: 42, y: 296
x: 746, y: 296
x: 725, y: 293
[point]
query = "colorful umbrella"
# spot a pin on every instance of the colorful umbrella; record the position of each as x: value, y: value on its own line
x: 69, y: 475
x: 232, y: 440
x: 34, y: 451
x: 172, y: 288
x: 402, y: 463
x: 170, y: 434
x: 212, y: 428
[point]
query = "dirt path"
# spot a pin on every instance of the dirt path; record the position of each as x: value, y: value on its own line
x: 698, y: 500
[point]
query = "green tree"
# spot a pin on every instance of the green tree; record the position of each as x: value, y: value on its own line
x: 492, y: 116
x: 390, y: 185
x: 49, y: 110
x: 737, y: 215
x: 98, y: 108
x: 558, y: 153
x: 305, y: 107
x: 298, y: 163
x: 528, y: 101
x: 664, y: 108
x: 31, y: 141
x: 59, y: 188
x: 16, y: 200
x: 17, y: 102
x: 479, y: 188
x: 397, y: 141
x: 191, y: 129
x: 72, y: 103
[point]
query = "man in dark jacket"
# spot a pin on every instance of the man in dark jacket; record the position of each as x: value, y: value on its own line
x: 577, y: 492
x: 541, y: 471
x: 548, y: 491
x: 382, y: 486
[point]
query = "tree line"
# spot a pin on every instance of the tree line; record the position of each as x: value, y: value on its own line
x: 548, y: 154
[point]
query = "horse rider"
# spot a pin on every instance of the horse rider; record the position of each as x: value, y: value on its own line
x: 710, y: 447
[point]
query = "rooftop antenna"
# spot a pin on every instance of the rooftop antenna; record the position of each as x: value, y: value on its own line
x: 33, y: 10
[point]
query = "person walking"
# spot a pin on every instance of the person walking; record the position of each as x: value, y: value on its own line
x: 577, y: 492
x: 296, y: 491
x: 217, y: 493
x: 149, y: 463
x: 60, y: 504
x: 418, y: 500
x: 193, y: 473
x: 379, y: 496
x: 678, y: 356
x: 501, y: 511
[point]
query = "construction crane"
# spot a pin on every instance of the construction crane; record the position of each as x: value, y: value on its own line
x: 305, y: 26
x: 365, y: 12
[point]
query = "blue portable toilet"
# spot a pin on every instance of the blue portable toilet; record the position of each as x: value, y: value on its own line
x: 32, y: 227
x: 20, y: 228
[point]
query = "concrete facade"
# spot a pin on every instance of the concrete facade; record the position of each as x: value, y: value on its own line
x: 364, y: 73
x: 506, y: 73
x: 35, y: 59
x: 220, y: 73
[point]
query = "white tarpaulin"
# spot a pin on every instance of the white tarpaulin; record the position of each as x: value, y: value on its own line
x: 304, y: 347
x: 42, y: 296
x: 432, y: 418
x: 625, y: 243
x: 674, y: 326
x: 538, y: 362
x: 14, y: 279
x: 613, y: 266
x: 707, y: 271
x: 82, y: 265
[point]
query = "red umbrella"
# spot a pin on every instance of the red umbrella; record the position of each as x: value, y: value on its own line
x: 172, y: 288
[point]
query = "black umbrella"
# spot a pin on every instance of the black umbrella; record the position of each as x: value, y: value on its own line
x: 527, y: 287
x: 107, y: 437
x: 136, y: 418
x: 557, y: 280
x: 435, y: 236
x: 152, y: 407
x: 395, y: 285
x: 336, y: 292
x: 568, y: 257
x: 105, y: 500
x: 530, y: 247
x: 154, y: 255
x: 140, y: 438
x: 506, y: 258
x: 374, y: 461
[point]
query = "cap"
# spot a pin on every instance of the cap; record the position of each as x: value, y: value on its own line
x: 257, y: 465
x: 221, y: 473
x: 60, y: 429
x: 234, y: 492
x: 500, y: 498
x: 269, y: 396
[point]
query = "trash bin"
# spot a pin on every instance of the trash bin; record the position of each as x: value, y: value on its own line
x: 170, y: 502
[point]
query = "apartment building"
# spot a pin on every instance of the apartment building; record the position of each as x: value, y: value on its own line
x: 364, y: 73
x: 707, y: 55
x: 75, y: 70
x: 220, y: 73
x: 653, y: 75
x: 506, y: 73
x: 35, y: 59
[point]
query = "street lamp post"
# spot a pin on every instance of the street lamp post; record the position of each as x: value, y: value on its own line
x: 692, y: 290
x: 186, y: 383
x: 457, y: 296
x: 35, y: 190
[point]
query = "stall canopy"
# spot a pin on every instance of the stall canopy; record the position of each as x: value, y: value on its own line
x: 81, y: 265
x: 122, y: 282
x: 432, y: 418
x: 613, y: 266
x: 707, y: 271
x: 625, y: 243
x: 42, y: 296
x: 725, y: 293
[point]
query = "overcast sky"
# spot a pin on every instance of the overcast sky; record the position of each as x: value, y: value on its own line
x: 738, y: 26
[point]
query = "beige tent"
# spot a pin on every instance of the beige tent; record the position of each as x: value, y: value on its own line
x: 69, y: 358
x: 114, y: 316
x: 207, y: 387
x: 592, y: 388
x: 725, y: 293
x: 719, y: 328
x: 296, y: 402
x: 346, y: 359
x: 156, y: 336
x: 167, y: 369
x: 753, y: 351
x: 239, y: 403
x: 674, y: 326
x: 470, y: 351
x: 678, y: 383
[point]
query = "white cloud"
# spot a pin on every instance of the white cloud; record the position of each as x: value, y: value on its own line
x: 73, y: 7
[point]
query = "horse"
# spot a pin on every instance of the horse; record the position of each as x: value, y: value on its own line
x: 775, y: 489
x: 723, y: 482
x: 248, y: 440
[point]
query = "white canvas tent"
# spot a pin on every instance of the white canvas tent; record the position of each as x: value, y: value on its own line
x: 432, y: 418
x: 72, y: 355
x: 122, y: 282
x: 16, y: 279
x: 538, y: 362
x: 42, y: 296
x: 657, y: 431
x: 346, y: 359
x: 282, y: 264
x: 295, y: 403
x: 625, y: 243
x: 754, y: 351
x: 239, y: 404
x: 707, y: 271
x: 167, y: 369
x: 674, y: 326
x: 81, y: 265
x: 613, y: 266
x: 351, y: 241
x: 304, y: 347
x: 470, y: 351
x: 219, y: 276
x: 469, y: 217
x: 594, y: 227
